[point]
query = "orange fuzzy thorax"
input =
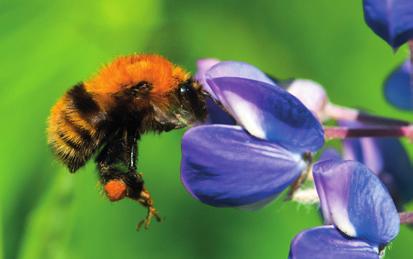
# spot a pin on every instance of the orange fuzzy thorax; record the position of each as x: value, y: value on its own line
x: 129, y: 70
x: 115, y: 190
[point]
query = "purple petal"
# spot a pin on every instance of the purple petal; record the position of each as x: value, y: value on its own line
x: 364, y: 150
x: 239, y: 70
x: 397, y: 166
x: 216, y: 115
x: 398, y: 87
x: 203, y: 65
x: 311, y: 94
x: 392, y: 20
x: 269, y: 112
x: 329, y: 154
x: 387, y: 158
x: 356, y: 201
x: 223, y: 166
x: 326, y: 242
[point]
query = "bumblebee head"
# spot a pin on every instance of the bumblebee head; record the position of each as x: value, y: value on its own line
x: 186, y: 104
x: 152, y: 84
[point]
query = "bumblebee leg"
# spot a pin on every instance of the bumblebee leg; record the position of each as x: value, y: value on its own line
x: 118, y: 173
x: 146, y: 200
x: 143, y: 197
x: 132, y: 147
x: 113, y: 166
x: 110, y: 159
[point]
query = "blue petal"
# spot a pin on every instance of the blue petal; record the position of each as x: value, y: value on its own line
x: 326, y: 243
x: 396, y: 163
x: 329, y: 154
x: 378, y: 18
x: 239, y: 70
x: 356, y: 201
x: 269, y: 112
x: 364, y: 150
x: 224, y: 166
x: 392, y: 20
x: 203, y: 65
x: 216, y: 115
x: 398, y: 87
x: 311, y: 94
x: 387, y: 158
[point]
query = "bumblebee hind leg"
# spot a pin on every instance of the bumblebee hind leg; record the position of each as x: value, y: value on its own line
x: 146, y: 201
x: 118, y: 173
x: 144, y: 197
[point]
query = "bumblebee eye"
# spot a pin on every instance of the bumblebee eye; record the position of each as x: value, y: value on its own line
x: 191, y: 99
x: 184, y: 90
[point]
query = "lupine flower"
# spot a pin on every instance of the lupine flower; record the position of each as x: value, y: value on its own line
x: 329, y: 154
x: 359, y: 214
x: 216, y: 115
x: 203, y: 65
x: 224, y: 165
x: 388, y: 159
x: 327, y: 242
x: 315, y: 98
x: 392, y: 20
x: 398, y: 87
x: 312, y: 95
x: 263, y: 109
x: 309, y: 92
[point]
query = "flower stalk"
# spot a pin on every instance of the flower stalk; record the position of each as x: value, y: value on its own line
x: 308, y: 158
x: 338, y: 112
x: 410, y: 43
x: 387, y: 131
x: 406, y: 217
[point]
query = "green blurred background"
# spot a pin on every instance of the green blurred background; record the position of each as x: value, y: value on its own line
x: 48, y: 46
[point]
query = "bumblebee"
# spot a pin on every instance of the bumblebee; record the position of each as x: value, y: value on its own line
x: 105, y: 116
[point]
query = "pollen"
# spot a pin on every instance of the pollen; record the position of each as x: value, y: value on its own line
x: 115, y: 190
